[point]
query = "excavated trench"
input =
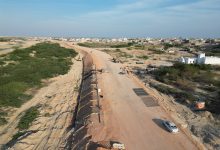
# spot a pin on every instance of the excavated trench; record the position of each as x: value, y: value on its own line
x: 87, y: 110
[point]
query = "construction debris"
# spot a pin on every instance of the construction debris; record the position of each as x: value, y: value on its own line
x: 110, y: 145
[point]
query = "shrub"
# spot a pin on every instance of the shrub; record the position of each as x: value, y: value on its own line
x: 29, y: 116
x: 167, y: 45
x: 3, y: 121
x: 17, y: 135
x: 180, y: 95
x: 5, y: 39
x: 105, y: 45
x: 143, y: 57
x: 156, y: 51
x: 186, y: 77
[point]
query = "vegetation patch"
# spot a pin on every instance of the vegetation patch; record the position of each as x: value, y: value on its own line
x: 48, y: 60
x: 156, y: 51
x: 193, y: 73
x: 180, y: 95
x: 139, y: 47
x: 29, y: 116
x: 123, y: 45
x: 30, y: 66
x: 5, y: 39
x: 211, y: 50
x: 105, y: 45
x: 169, y: 45
x: 188, y: 78
x: 124, y: 54
x: 17, y: 135
x: 145, y: 57
x: 3, y: 121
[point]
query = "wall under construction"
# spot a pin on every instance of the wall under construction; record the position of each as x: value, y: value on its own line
x: 87, y: 111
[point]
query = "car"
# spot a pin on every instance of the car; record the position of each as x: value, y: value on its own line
x: 170, y: 126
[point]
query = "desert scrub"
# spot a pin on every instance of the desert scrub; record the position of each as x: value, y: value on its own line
x: 196, y: 73
x: 3, y: 114
x: 17, y: 135
x: 5, y: 39
x: 30, y: 115
x: 143, y: 57
x: 120, y: 53
x: 189, y: 78
x: 180, y: 95
x: 105, y: 45
x: 3, y: 121
x: 31, y: 65
x: 156, y: 51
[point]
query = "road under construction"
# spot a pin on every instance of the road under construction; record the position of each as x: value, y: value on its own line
x: 123, y: 112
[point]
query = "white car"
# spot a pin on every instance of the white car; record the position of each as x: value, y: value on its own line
x: 170, y: 126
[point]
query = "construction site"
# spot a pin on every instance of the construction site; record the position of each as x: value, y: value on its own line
x: 102, y: 103
x: 109, y: 75
x: 116, y: 117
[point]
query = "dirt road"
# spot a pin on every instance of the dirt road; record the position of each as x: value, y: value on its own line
x: 131, y: 118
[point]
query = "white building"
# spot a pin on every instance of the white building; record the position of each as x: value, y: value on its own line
x: 201, y: 59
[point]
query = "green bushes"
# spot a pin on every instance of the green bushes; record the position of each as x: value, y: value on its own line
x: 123, y: 45
x: 5, y: 39
x: 156, y: 51
x: 125, y: 55
x: 87, y: 45
x: 17, y: 135
x: 2, y: 119
x: 182, y: 71
x: 25, y: 122
x: 168, y: 45
x: 29, y: 116
x: 27, y: 71
x: 105, y: 45
x: 12, y: 94
x: 143, y: 57
x: 179, y: 94
x: 189, y: 77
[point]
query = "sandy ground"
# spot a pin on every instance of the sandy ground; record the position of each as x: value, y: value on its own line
x: 7, y: 47
x: 126, y: 117
x: 164, y: 59
x: 57, y: 101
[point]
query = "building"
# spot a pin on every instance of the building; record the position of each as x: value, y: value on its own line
x: 200, y: 59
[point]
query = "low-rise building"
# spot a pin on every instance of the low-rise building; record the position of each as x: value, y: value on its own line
x: 201, y: 59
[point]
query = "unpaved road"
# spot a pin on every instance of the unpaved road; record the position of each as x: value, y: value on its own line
x: 125, y: 116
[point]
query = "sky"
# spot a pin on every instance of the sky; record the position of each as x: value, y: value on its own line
x: 110, y: 18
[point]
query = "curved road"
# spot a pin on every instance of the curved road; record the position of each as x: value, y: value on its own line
x: 125, y: 115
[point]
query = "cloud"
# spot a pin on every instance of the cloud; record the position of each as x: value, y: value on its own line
x: 156, y: 18
x: 202, y: 6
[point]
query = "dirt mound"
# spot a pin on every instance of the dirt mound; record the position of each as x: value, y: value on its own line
x: 87, y: 110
